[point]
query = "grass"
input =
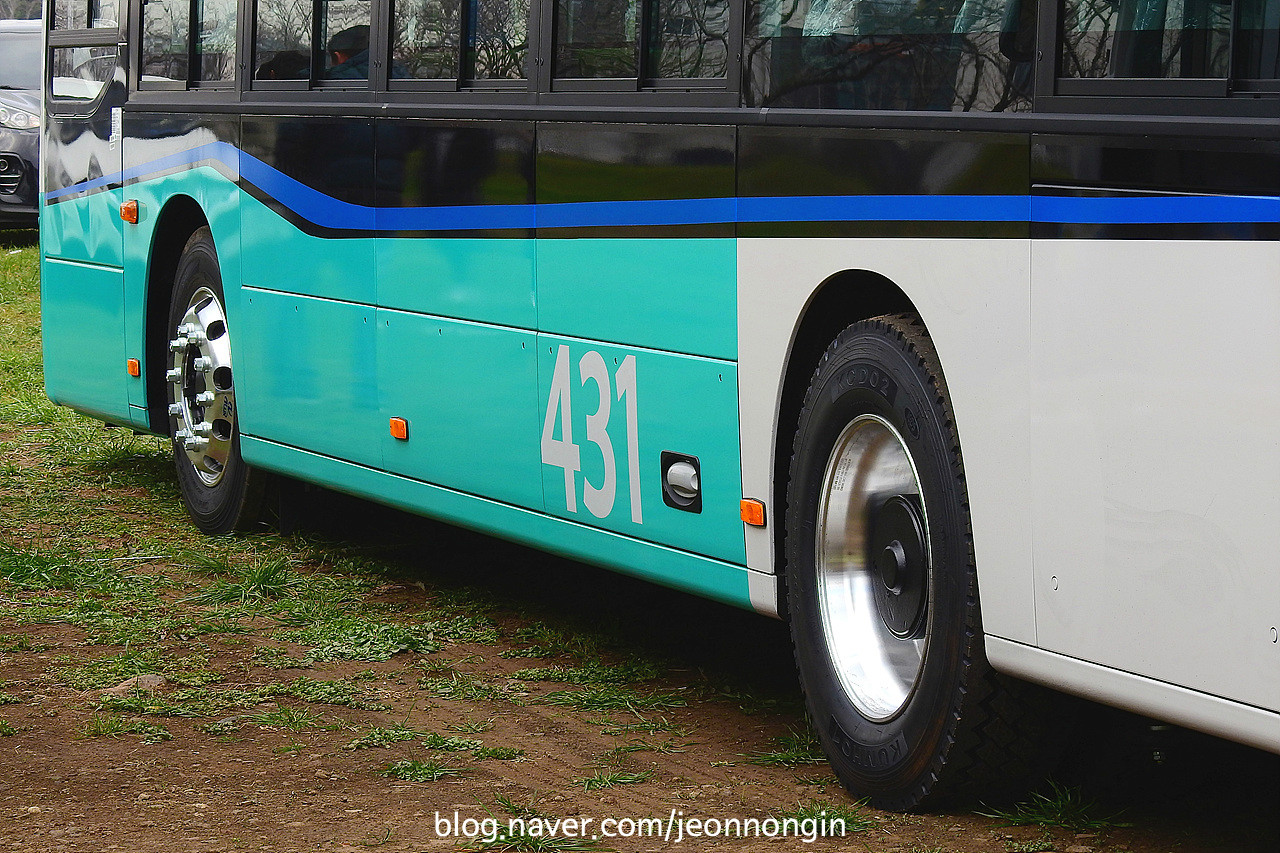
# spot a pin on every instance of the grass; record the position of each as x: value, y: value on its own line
x: 594, y: 673
x: 609, y: 697
x: 1063, y: 807
x: 189, y: 671
x: 419, y: 771
x: 115, y: 725
x: 613, y: 778
x: 823, y: 813
x: 7, y: 729
x: 359, y: 637
x: 796, y: 748
x: 460, y: 686
x: 381, y: 738
x: 265, y: 579
x: 499, y: 753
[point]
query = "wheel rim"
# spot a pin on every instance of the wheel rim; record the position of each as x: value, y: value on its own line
x: 874, y: 588
x: 202, y: 407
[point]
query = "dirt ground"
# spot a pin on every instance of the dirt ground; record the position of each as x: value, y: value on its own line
x: 266, y: 787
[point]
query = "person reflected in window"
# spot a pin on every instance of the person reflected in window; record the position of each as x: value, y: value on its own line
x: 349, y: 53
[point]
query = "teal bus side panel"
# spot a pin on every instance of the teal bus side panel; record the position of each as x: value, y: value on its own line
x: 703, y: 576
x: 488, y: 280
x: 84, y: 229
x: 677, y: 295
x: 306, y: 374
x: 468, y: 391
x: 82, y: 315
x: 682, y: 404
x: 218, y: 197
x: 275, y: 255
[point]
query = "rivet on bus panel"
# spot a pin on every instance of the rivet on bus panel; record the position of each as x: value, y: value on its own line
x: 752, y: 512
x: 400, y: 429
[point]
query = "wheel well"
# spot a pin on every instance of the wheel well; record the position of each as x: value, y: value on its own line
x: 842, y: 299
x: 180, y: 219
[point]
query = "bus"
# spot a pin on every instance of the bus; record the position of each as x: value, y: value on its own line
x: 944, y: 331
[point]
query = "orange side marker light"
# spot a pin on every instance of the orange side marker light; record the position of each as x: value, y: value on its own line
x: 752, y: 512
x: 400, y: 429
x: 134, y: 367
x: 129, y: 211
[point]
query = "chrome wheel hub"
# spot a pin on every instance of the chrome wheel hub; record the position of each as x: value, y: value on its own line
x: 202, y: 410
x: 874, y: 567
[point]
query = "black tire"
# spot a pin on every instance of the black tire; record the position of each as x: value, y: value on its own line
x: 925, y: 718
x: 222, y: 494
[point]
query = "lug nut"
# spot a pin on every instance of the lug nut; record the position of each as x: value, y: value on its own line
x: 202, y: 364
x: 178, y: 344
x: 193, y: 443
x: 203, y: 429
x: 204, y: 398
x: 174, y: 375
x: 175, y: 410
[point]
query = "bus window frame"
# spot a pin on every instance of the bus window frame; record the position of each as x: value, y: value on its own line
x: 102, y: 37
x: 1226, y: 97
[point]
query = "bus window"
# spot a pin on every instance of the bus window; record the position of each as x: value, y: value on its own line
x: 166, y: 30
x: 1146, y: 38
x: 688, y: 39
x: 497, y: 40
x: 1257, y: 44
x: 426, y: 39
x: 889, y: 54
x: 79, y: 73
x: 282, y: 48
x: 215, y: 53
x: 596, y: 38
x: 344, y: 32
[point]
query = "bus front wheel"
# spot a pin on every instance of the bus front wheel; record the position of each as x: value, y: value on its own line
x: 881, y: 583
x: 220, y: 491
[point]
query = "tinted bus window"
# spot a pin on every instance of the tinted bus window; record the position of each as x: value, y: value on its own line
x: 215, y: 40
x: 498, y: 41
x: 1257, y: 44
x: 596, y: 38
x: 426, y: 39
x: 890, y: 54
x: 688, y: 39
x: 282, y: 48
x: 1146, y: 38
x: 166, y: 28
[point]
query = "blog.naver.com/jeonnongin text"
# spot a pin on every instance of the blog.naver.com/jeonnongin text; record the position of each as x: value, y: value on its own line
x: 674, y: 828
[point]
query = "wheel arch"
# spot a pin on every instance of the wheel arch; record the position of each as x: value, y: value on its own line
x: 181, y: 217
x: 842, y: 298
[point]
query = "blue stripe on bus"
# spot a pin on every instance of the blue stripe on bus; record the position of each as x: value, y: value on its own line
x: 328, y: 212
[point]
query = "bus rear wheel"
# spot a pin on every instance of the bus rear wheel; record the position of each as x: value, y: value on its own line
x: 882, y: 587
x: 220, y: 491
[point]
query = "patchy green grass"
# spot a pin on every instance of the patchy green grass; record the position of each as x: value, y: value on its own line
x: 115, y: 725
x: 830, y: 819
x: 612, y: 778
x: 7, y: 729
x: 419, y: 771
x: 610, y: 697
x: 594, y: 673
x: 1062, y: 807
x: 460, y: 686
x: 189, y: 671
x: 381, y: 738
x: 498, y: 753
x: 358, y: 637
x: 796, y: 748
